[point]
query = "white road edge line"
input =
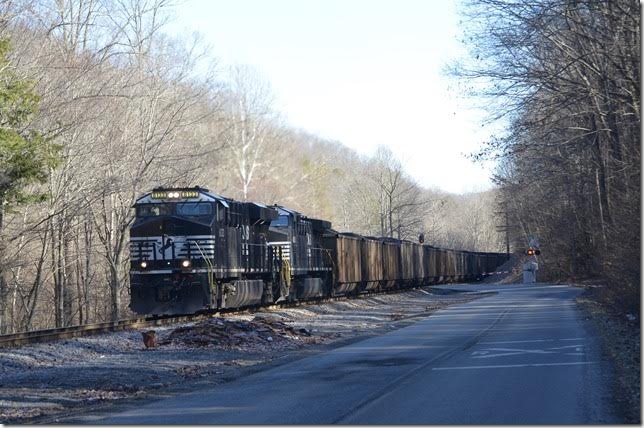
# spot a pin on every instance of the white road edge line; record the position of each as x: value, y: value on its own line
x: 507, y: 366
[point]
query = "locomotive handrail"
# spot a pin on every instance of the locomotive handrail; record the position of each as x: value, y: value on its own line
x: 211, y: 275
x: 327, y: 252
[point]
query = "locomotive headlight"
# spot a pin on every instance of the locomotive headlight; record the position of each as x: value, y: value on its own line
x: 144, y: 264
x: 185, y: 263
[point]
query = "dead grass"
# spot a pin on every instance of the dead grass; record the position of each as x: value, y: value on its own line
x: 619, y: 328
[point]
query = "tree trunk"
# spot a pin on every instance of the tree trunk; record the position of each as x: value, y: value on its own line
x: 3, y: 303
x: 3, y: 282
x: 67, y: 287
x: 35, y: 289
x: 115, y: 297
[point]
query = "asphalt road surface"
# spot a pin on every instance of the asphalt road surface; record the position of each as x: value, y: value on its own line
x: 523, y: 356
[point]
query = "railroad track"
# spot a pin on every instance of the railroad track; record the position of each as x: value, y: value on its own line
x: 49, y: 335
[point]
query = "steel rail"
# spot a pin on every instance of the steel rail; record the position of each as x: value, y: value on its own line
x: 47, y: 335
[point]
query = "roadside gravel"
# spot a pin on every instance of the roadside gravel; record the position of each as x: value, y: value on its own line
x: 41, y: 382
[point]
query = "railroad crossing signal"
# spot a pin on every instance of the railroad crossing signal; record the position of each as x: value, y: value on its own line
x: 533, y: 246
x: 533, y: 251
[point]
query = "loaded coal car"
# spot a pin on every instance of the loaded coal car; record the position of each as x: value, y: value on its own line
x: 431, y: 264
x: 420, y: 277
x: 474, y: 263
x: 478, y: 265
x: 490, y: 263
x: 392, y: 269
x: 493, y: 261
x: 440, y: 264
x: 191, y: 249
x: 461, y: 265
x: 302, y: 265
x: 345, y: 255
x: 372, y: 264
x: 449, y: 265
x: 406, y: 263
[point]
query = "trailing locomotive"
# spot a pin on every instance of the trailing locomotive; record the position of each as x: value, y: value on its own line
x: 191, y: 249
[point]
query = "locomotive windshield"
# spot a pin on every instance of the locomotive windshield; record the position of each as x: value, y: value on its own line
x: 194, y: 208
x: 281, y: 221
x: 150, y: 210
x: 186, y: 209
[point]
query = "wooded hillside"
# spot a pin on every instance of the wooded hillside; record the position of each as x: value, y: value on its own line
x: 565, y: 76
x: 99, y: 105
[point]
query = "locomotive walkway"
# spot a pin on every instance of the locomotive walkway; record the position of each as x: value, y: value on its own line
x: 523, y: 356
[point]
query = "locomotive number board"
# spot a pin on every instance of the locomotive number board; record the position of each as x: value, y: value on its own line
x: 171, y: 194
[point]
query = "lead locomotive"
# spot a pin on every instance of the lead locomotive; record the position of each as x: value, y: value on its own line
x: 191, y: 249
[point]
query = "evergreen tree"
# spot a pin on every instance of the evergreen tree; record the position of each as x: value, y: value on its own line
x: 25, y: 155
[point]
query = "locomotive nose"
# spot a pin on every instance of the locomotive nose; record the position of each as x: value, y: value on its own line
x: 168, y: 225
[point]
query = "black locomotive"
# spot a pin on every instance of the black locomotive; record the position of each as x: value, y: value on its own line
x: 191, y: 249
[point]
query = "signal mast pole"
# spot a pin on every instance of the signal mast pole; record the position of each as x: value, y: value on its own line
x: 505, y: 228
x: 507, y: 235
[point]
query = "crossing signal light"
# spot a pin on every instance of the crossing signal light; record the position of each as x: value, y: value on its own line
x: 421, y: 238
x: 533, y: 251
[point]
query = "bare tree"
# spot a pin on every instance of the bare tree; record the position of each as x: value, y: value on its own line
x: 565, y: 75
x: 251, y: 123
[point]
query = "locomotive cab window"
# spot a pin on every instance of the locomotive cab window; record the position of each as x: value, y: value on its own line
x: 281, y: 221
x: 221, y: 214
x: 194, y: 209
x: 151, y: 210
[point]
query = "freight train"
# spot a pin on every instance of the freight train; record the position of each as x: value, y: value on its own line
x: 193, y: 250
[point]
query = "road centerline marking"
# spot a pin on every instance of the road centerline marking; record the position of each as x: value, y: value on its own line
x: 508, y: 366
x: 577, y: 349
x: 502, y: 342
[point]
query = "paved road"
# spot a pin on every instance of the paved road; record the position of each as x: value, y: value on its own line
x: 522, y: 356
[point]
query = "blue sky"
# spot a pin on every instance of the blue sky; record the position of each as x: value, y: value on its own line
x: 361, y: 72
